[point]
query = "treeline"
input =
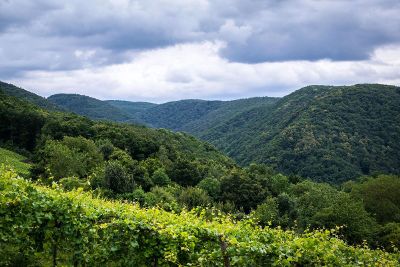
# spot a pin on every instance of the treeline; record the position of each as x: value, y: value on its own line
x: 40, y: 226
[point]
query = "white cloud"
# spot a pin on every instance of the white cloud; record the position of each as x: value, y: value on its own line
x: 196, y: 70
x: 237, y: 34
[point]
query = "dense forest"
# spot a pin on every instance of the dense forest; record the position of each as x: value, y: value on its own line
x: 326, y: 133
x: 172, y: 199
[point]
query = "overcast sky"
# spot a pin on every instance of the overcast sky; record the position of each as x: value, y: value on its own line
x: 163, y: 50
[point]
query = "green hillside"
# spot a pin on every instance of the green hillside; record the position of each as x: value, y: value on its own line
x: 227, y: 111
x: 323, y: 132
x: 89, y: 106
x: 26, y: 126
x: 20, y: 93
x: 16, y: 161
x: 131, y: 108
x: 197, y: 116
x: 174, y: 115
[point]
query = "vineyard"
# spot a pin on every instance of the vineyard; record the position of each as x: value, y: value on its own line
x: 42, y: 226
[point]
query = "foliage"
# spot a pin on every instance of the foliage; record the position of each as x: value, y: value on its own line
x: 160, y: 178
x: 240, y: 189
x: 326, y: 133
x: 16, y: 161
x: 357, y: 224
x: 43, y: 226
x: 192, y: 197
x: 117, y: 178
x: 267, y: 213
x: 212, y: 186
x: 381, y: 196
x: 131, y: 108
x: 20, y: 93
x: 72, y: 156
x: 170, y: 171
x: 88, y: 106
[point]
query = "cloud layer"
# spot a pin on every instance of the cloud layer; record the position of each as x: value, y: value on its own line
x: 160, y: 50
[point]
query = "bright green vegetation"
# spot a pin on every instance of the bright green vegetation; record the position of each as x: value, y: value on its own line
x: 23, y: 94
x: 88, y: 106
x: 16, y: 161
x: 326, y: 133
x: 43, y: 226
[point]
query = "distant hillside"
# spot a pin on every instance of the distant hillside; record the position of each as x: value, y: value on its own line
x: 197, y: 116
x: 25, y: 125
x: 323, y: 132
x: 174, y: 115
x: 224, y: 113
x: 192, y: 116
x: 131, y: 108
x: 89, y: 106
x: 20, y: 93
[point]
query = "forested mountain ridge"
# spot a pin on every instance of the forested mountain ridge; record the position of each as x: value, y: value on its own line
x: 131, y: 108
x: 13, y: 90
x: 196, y: 116
x: 26, y: 126
x: 328, y: 133
x: 89, y: 106
x: 192, y: 115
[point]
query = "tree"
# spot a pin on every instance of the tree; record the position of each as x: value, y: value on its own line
x: 72, y: 156
x: 160, y: 178
x: 106, y: 148
x: 239, y: 188
x: 192, y: 197
x: 267, y: 212
x: 212, y: 186
x: 185, y: 173
x: 344, y: 211
x: 381, y: 196
x: 117, y: 178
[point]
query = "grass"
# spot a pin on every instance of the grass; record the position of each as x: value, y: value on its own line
x: 15, y: 161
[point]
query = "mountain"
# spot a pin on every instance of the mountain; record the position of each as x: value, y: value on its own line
x: 326, y: 133
x: 131, y: 108
x: 191, y: 116
x: 26, y: 127
x: 197, y: 116
x: 13, y: 90
x: 89, y: 106
x: 174, y: 115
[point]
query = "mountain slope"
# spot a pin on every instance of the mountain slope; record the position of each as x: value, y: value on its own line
x: 130, y: 108
x: 197, y: 116
x: 23, y: 94
x: 322, y: 132
x: 89, y: 106
x: 174, y: 115
x: 227, y: 111
x: 24, y: 126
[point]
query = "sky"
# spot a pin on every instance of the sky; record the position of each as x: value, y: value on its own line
x: 165, y: 50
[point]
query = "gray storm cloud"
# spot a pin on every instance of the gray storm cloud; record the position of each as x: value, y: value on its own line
x: 70, y: 37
